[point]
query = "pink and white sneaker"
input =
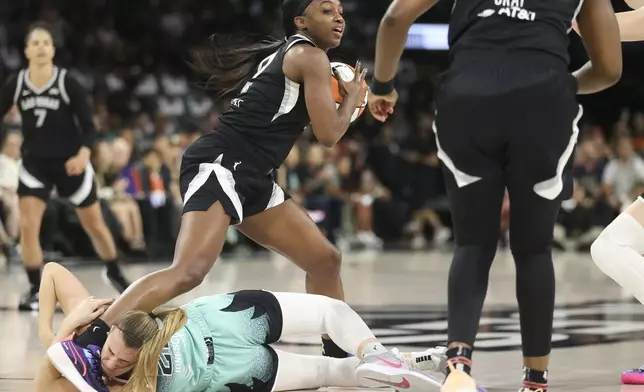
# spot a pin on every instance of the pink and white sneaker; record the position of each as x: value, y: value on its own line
x: 633, y: 376
x: 387, y: 369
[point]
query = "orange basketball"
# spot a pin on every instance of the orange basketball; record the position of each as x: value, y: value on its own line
x: 347, y: 73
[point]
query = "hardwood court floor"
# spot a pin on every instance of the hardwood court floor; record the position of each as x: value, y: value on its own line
x: 599, y: 330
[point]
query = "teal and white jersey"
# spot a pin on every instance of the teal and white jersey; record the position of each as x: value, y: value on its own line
x: 224, y: 345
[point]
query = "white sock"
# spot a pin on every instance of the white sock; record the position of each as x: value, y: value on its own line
x: 618, y: 253
x: 298, y: 372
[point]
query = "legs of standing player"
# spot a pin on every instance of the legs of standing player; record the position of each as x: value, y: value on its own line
x: 91, y: 219
x: 538, y: 178
x: 304, y: 314
x: 618, y: 253
x: 534, y: 146
x: 80, y: 190
x: 32, y: 210
x: 287, y: 229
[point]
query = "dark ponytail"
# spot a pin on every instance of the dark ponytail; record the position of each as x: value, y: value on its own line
x: 231, y: 61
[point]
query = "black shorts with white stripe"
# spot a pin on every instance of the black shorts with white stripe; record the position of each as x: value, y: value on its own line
x: 522, y: 140
x: 39, y: 176
x: 230, y: 178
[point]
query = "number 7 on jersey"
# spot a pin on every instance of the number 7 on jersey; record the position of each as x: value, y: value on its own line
x: 41, y: 114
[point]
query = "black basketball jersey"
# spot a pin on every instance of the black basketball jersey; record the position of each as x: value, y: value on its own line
x: 56, y: 118
x: 270, y: 111
x: 537, y: 25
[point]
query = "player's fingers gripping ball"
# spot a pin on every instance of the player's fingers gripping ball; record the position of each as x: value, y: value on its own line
x: 347, y: 73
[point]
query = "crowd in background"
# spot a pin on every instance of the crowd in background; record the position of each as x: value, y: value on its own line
x: 381, y: 186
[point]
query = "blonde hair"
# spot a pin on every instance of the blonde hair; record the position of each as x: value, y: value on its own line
x: 149, y: 332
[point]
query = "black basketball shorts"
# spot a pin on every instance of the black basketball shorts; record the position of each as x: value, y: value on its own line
x: 521, y: 140
x: 230, y: 179
x: 38, y: 177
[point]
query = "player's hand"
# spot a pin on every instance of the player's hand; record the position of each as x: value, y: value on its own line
x: 77, y: 164
x: 87, y: 311
x: 355, y: 89
x: 381, y: 106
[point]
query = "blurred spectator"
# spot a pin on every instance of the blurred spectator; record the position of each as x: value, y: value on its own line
x: 622, y: 173
x: 9, y: 172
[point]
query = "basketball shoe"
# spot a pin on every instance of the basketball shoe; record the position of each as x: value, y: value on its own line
x: 387, y: 369
x: 633, y: 376
x: 80, y: 366
x: 433, y: 360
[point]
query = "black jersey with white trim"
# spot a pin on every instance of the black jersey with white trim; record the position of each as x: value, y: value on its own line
x: 270, y: 113
x: 56, y: 118
x: 506, y: 25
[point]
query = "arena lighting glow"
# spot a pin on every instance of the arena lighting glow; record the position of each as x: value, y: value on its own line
x: 428, y: 36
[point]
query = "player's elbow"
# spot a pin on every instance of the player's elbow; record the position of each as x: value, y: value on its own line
x: 327, y: 140
x: 325, y: 135
x: 613, y: 74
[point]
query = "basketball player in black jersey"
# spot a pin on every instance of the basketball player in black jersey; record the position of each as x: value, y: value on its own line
x: 58, y: 133
x: 226, y: 175
x: 506, y: 117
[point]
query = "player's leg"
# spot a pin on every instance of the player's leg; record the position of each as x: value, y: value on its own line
x: 210, y: 203
x: 80, y: 190
x: 284, y: 227
x: 618, y: 253
x: 299, y: 372
x: 544, y: 133
x: 471, y: 153
x: 308, y: 314
x: 57, y: 285
x: 33, y: 192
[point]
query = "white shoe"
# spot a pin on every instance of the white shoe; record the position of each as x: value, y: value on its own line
x: 432, y: 359
x: 389, y: 370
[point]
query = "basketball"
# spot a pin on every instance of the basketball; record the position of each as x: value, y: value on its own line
x: 347, y: 74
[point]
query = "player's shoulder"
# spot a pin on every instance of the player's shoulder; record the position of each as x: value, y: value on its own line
x: 306, y: 59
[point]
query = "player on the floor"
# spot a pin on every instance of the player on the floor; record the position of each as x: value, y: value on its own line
x: 226, y: 175
x: 619, y: 248
x: 58, y: 133
x: 506, y: 117
x: 214, y: 343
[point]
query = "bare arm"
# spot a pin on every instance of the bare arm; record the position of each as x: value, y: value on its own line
x: 57, y: 285
x: 631, y: 25
x: 83, y: 112
x: 49, y: 379
x: 392, y: 35
x: 311, y: 66
x: 600, y: 33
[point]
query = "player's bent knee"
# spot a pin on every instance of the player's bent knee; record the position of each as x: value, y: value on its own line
x: 186, y: 279
x: 327, y: 264
x: 601, y: 249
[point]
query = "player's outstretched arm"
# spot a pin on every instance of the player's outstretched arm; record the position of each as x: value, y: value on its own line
x: 600, y: 33
x: 392, y: 35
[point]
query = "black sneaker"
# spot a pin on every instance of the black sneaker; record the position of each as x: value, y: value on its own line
x: 29, y: 301
x: 115, y: 278
x: 332, y: 350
